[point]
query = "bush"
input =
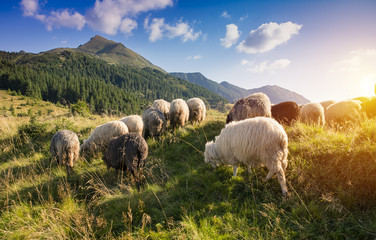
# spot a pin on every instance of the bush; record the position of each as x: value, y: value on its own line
x: 80, y: 108
x: 33, y: 130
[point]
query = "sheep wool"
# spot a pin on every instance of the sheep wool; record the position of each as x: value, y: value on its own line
x: 127, y: 153
x: 259, y: 141
x: 343, y: 111
x: 197, y: 110
x: 312, y: 113
x: 257, y: 104
x: 102, y: 135
x: 65, y: 148
x: 163, y: 106
x: 179, y: 113
x: 286, y: 112
x: 154, y: 122
x: 134, y: 123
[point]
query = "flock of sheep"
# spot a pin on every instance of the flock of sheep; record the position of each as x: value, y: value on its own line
x: 122, y: 142
x: 253, y: 134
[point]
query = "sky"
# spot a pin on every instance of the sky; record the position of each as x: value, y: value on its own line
x: 321, y: 49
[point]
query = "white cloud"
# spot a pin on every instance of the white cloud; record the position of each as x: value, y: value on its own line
x: 243, y: 18
x: 265, y: 66
x: 29, y: 7
x: 232, y: 36
x: 268, y: 36
x: 197, y: 57
x: 108, y: 15
x: 355, y: 61
x: 158, y: 29
x: 128, y: 25
x: 64, y: 18
x: 225, y: 14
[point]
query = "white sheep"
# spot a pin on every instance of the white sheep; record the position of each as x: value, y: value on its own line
x: 197, y: 110
x: 256, y: 104
x: 163, y: 106
x: 179, y: 113
x: 134, y: 123
x: 327, y: 103
x: 343, y: 111
x: 102, y: 135
x: 154, y: 122
x: 65, y: 148
x: 312, y: 113
x: 259, y: 141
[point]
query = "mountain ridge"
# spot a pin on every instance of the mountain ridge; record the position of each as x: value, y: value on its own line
x: 232, y: 92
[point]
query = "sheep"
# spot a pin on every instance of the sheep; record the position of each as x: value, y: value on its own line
x: 326, y: 104
x: 362, y: 99
x: 343, y: 111
x: 369, y: 107
x: 102, y: 135
x: 285, y: 112
x: 313, y: 113
x: 259, y: 141
x: 197, y: 110
x: 163, y: 106
x: 257, y: 104
x: 65, y: 148
x: 127, y: 153
x: 179, y: 113
x: 154, y: 122
x: 134, y: 123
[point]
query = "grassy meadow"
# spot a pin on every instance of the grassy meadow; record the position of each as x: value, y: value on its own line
x: 331, y: 178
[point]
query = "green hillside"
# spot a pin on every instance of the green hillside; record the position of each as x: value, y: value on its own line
x: 331, y: 178
x: 68, y: 76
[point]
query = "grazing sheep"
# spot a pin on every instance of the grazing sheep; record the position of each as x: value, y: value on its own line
x: 369, y: 107
x: 102, y: 135
x: 127, y: 153
x: 343, y: 111
x: 163, y: 106
x: 179, y: 113
x: 134, y: 123
x: 65, y: 148
x: 197, y: 110
x: 313, y: 113
x: 257, y: 104
x: 259, y: 141
x: 154, y: 122
x: 286, y: 112
x: 326, y: 104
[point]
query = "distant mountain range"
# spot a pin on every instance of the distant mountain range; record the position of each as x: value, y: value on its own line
x: 112, y: 52
x: 232, y: 92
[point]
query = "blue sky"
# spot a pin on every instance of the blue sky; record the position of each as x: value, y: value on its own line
x: 322, y: 49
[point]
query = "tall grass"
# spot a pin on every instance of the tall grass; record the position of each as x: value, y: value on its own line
x: 331, y: 177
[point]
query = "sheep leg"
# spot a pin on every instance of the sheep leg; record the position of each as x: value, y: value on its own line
x: 270, y: 174
x: 282, y: 181
x: 249, y: 169
x: 235, y: 170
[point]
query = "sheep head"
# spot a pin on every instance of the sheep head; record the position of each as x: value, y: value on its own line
x: 211, y: 155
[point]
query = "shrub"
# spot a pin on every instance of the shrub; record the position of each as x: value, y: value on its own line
x: 32, y: 130
x: 80, y: 108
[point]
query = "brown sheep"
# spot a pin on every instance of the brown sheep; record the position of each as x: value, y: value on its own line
x: 286, y: 112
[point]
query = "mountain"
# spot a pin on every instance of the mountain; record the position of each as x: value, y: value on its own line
x: 67, y: 76
x: 111, y: 52
x: 232, y: 92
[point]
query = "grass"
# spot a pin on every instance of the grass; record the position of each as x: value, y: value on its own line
x: 331, y: 178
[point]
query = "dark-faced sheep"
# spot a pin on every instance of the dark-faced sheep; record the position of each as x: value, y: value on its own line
x: 258, y: 141
x: 127, y: 153
x: 163, y: 106
x: 286, y: 112
x: 154, y: 122
x: 179, y: 113
x: 65, y: 148
x: 102, y: 135
x: 312, y: 113
x: 134, y: 123
x: 257, y: 104
x: 197, y: 110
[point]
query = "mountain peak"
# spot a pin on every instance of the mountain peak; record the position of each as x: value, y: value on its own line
x: 115, y: 53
